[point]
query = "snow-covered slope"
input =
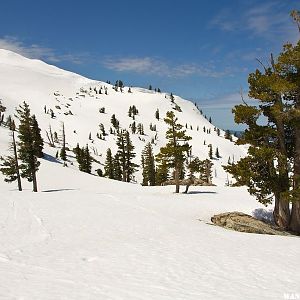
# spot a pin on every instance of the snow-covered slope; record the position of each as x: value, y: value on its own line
x: 86, y: 237
x: 75, y: 102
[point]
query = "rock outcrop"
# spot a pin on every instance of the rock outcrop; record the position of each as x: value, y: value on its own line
x: 245, y: 223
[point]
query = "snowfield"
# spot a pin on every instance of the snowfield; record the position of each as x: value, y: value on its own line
x: 86, y: 237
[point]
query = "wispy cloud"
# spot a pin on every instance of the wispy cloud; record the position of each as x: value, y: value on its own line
x: 226, y: 102
x: 39, y: 52
x: 266, y: 20
x: 149, y: 65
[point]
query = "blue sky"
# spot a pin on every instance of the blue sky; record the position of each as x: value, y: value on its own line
x: 200, y: 50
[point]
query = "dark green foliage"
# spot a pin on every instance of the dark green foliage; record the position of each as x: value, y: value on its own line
x: 217, y: 153
x: 162, y: 173
x: 8, y: 168
x: 63, y: 152
x: 119, y: 83
x: 210, y: 151
x: 272, y: 168
x: 115, y: 123
x: 157, y: 114
x: 10, y: 165
x: 37, y: 139
x: 2, y: 110
x: 83, y: 158
x: 172, y: 98
x: 30, y: 144
x: 109, y: 165
x: 102, y: 110
x: 99, y: 172
x: 176, y: 149
x: 126, y: 155
x: 148, y: 165
x: 228, y: 135
x: 206, y: 171
x: 117, y: 171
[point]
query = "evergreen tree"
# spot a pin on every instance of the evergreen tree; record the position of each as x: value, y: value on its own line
x: 157, y: 114
x: 175, y: 151
x: 109, y: 166
x: 217, y: 153
x: 162, y: 172
x: 148, y: 164
x: 126, y: 155
x: 37, y: 139
x: 228, y: 135
x: 206, y: 171
x: 210, y: 151
x: 275, y: 145
x: 30, y: 144
x: 117, y: 171
x: 193, y: 166
x: 10, y: 165
x: 63, y: 152
x: 2, y: 110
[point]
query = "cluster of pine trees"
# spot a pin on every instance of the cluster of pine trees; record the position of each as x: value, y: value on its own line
x: 272, y: 168
x: 121, y: 166
x: 25, y: 152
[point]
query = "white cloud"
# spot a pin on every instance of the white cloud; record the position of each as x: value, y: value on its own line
x: 267, y: 20
x: 159, y: 67
x: 38, y: 52
x: 226, y: 101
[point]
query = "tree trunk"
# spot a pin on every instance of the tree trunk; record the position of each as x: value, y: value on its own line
x: 295, y: 218
x: 281, y: 212
x: 17, y: 163
x: 177, y: 180
x: 34, y: 181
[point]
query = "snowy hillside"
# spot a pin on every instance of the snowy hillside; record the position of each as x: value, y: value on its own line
x: 76, y: 101
x: 86, y: 237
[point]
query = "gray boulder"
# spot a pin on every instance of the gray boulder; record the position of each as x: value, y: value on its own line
x: 245, y: 223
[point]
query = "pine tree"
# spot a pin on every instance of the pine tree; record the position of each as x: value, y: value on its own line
x: 38, y: 141
x: 10, y: 165
x: 275, y: 145
x: 206, y: 171
x: 148, y: 165
x: 63, y: 152
x: 217, y: 153
x: 117, y: 171
x: 175, y: 151
x: 109, y: 166
x: 210, y: 151
x: 30, y: 144
x: 157, y: 114
x: 84, y: 159
x: 126, y: 155
x: 162, y: 172
x: 2, y: 110
x: 228, y: 135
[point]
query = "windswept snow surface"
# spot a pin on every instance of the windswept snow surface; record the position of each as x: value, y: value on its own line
x: 85, y: 237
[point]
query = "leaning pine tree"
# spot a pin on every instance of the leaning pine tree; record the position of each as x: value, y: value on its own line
x: 9, y: 166
x: 274, y: 146
x: 176, y: 149
x: 30, y: 144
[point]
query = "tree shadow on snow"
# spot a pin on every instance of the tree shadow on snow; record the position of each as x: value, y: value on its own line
x: 51, y: 158
x: 200, y: 192
x: 264, y: 215
x: 58, y: 190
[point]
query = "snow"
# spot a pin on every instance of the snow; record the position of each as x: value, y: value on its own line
x: 85, y: 237
x: 38, y: 84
